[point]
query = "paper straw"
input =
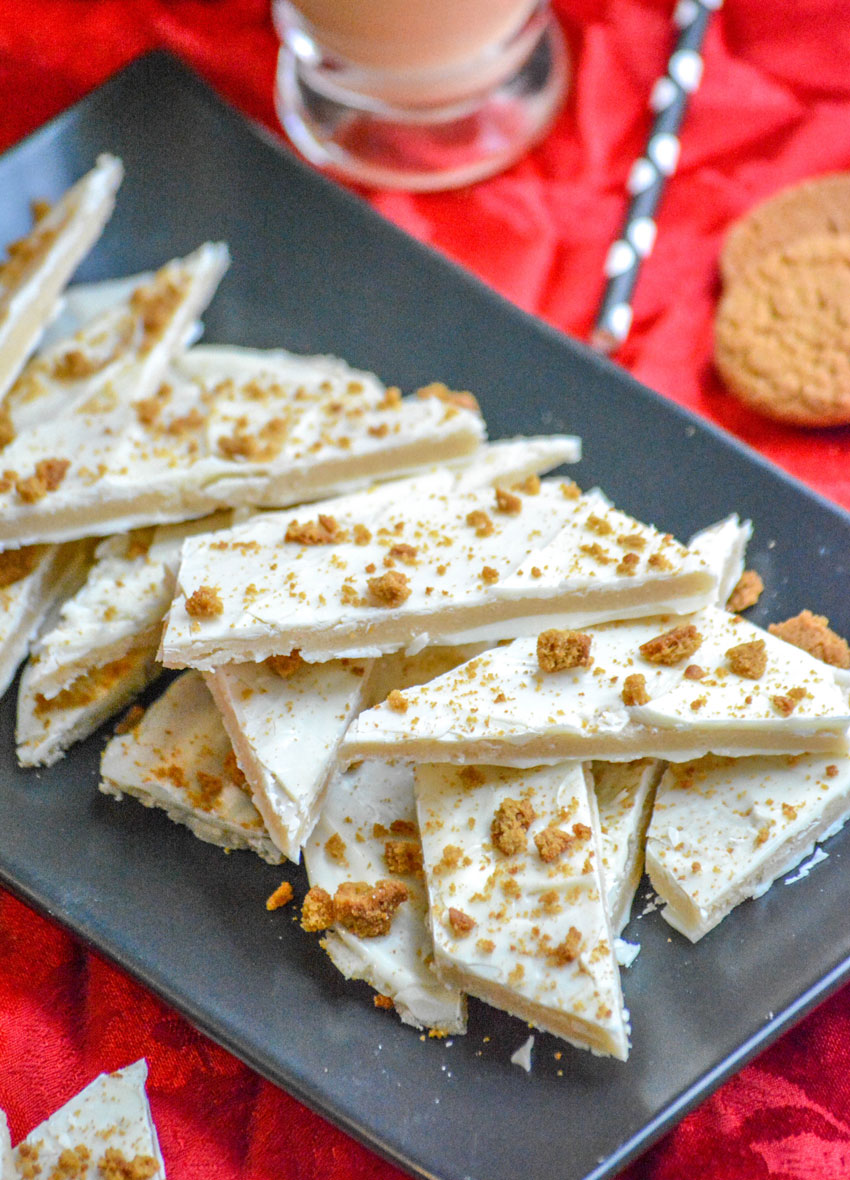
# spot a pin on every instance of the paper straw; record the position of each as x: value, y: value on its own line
x: 649, y: 174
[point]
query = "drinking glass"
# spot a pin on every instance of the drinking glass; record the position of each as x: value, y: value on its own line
x: 417, y: 94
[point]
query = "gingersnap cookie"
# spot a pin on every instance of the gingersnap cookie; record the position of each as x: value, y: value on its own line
x: 819, y: 206
x: 782, y: 333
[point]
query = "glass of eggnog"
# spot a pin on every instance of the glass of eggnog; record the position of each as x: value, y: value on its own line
x: 417, y: 94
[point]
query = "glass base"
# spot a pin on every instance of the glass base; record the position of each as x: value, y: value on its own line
x: 420, y: 146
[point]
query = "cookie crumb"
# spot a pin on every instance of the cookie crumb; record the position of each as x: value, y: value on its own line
x: 634, y: 690
x: 204, y: 603
x: 566, y: 951
x: 748, y: 659
x: 784, y: 704
x: 397, y: 701
x: 507, y: 502
x: 382, y: 1001
x: 552, y: 842
x: 317, y: 912
x: 673, y: 646
x: 510, y: 824
x: 693, y: 672
x: 460, y: 922
x: 114, y: 1165
x: 481, y: 522
x: 461, y: 399
x: 748, y: 589
x: 285, y: 666
x: 390, y: 589
x: 281, y: 896
x: 324, y: 531
x: 335, y: 848
x: 16, y: 564
x: 812, y: 633
x: 403, y: 857
x: 559, y: 650
x: 365, y: 910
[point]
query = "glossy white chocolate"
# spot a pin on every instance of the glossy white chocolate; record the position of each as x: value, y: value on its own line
x: 540, y: 945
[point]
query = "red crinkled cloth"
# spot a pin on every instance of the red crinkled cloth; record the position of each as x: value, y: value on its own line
x: 774, y: 107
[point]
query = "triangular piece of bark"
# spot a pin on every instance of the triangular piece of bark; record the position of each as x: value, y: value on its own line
x: 81, y: 469
x: 614, y: 701
x: 286, y: 720
x: 367, y: 833
x: 177, y: 756
x: 517, y: 897
x: 32, y: 581
x: 624, y: 795
x: 106, y: 1130
x: 367, y: 576
x: 723, y: 829
x: 39, y: 265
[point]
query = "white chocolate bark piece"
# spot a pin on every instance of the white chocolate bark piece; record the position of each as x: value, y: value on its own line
x: 285, y: 732
x: 514, y: 460
x: 87, y: 467
x: 178, y: 757
x: 397, y: 964
x: 40, y: 265
x: 440, y: 566
x: 624, y: 795
x: 365, y: 808
x: 723, y: 829
x: 107, y: 1128
x: 46, y: 727
x: 520, y: 920
x: 722, y: 547
x: 233, y: 426
x: 503, y: 708
x: 119, y: 607
x: 83, y: 302
x: 32, y: 581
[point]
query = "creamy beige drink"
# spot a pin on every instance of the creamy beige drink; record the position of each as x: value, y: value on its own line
x: 419, y: 94
x: 402, y: 35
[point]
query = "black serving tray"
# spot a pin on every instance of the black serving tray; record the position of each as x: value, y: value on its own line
x: 316, y: 270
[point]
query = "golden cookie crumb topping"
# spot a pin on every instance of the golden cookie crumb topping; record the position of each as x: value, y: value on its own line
x: 559, y: 650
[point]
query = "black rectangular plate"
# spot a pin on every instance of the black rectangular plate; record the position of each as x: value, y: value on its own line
x: 316, y: 270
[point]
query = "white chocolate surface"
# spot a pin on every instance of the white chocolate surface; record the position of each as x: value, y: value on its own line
x: 722, y: 547
x: 104, y: 380
x: 45, y: 728
x: 285, y: 734
x: 28, y: 298
x: 112, y: 1112
x: 7, y: 1167
x: 526, y: 911
x: 397, y: 964
x: 176, y: 758
x: 466, y: 583
x: 501, y: 707
x: 624, y: 795
x: 119, y: 607
x: 724, y: 828
x: 26, y: 603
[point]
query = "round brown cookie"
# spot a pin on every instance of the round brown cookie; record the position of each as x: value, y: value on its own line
x: 819, y: 206
x: 782, y: 333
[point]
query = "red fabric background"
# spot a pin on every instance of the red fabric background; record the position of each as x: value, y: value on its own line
x: 774, y: 107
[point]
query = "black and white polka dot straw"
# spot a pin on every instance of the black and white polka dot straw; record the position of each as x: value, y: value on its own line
x: 649, y: 174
